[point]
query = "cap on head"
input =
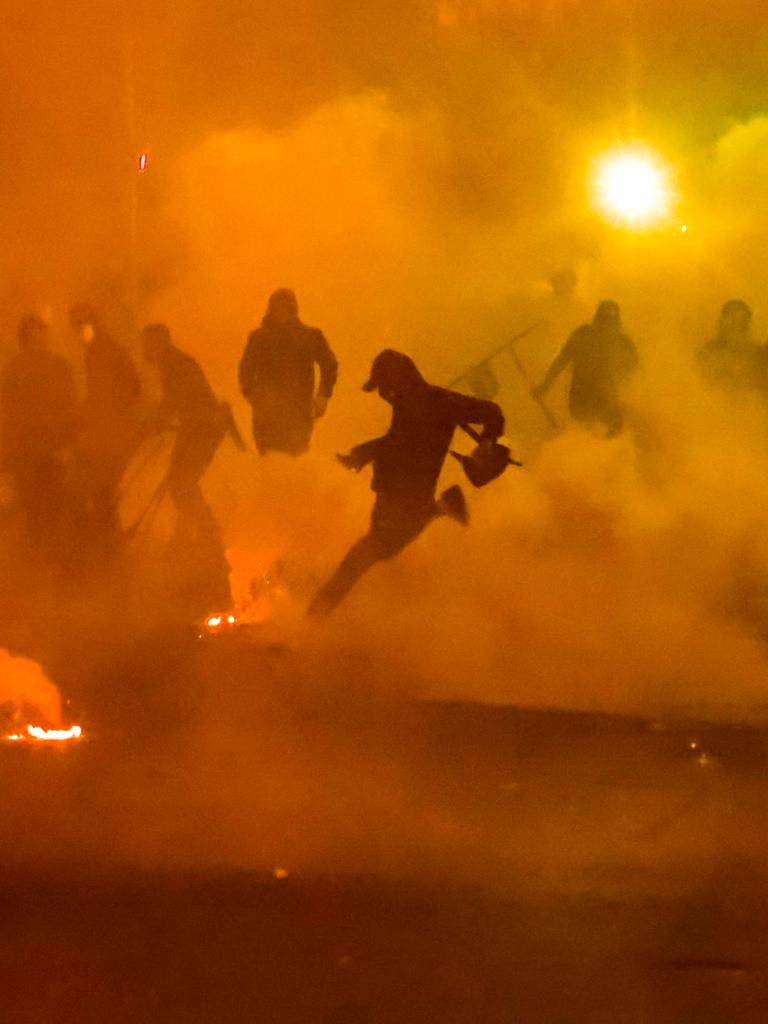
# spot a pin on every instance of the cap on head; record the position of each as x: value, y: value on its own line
x: 283, y: 304
x: 391, y: 369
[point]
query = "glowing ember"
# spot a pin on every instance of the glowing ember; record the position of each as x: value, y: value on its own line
x: 74, y: 733
x: 257, y: 584
x: 215, y: 622
x: 36, y: 732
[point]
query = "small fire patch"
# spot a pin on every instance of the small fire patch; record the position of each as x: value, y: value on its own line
x: 35, y: 733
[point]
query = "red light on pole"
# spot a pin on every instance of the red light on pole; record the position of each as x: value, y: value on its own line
x: 143, y: 157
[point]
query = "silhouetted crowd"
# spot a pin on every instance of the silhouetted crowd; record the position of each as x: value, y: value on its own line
x: 67, y: 454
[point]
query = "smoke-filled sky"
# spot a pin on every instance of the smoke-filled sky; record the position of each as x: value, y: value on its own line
x: 411, y: 132
x: 416, y: 171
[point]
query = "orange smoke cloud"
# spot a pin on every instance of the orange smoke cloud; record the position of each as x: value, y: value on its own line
x: 24, y: 684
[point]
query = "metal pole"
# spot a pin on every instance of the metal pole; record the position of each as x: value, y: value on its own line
x: 498, y: 351
x: 133, y: 193
x: 537, y: 398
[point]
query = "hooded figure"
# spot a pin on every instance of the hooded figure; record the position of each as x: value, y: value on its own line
x: 277, y: 377
x: 602, y: 357
x: 111, y: 416
x: 38, y: 405
x: 190, y: 407
x: 733, y: 359
x: 407, y: 462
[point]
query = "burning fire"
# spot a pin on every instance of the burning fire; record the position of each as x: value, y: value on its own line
x: 215, y: 622
x: 26, y: 693
x: 257, y: 584
x: 36, y: 732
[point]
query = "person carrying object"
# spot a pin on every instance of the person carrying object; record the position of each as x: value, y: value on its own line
x: 407, y: 462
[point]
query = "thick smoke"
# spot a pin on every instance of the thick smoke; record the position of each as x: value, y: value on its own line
x: 416, y: 172
x: 26, y: 691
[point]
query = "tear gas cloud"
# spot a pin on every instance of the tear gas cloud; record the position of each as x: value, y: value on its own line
x: 25, y: 689
x: 416, y: 172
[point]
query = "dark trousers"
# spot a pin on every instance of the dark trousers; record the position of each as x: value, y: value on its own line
x: 106, y: 449
x: 192, y: 453
x: 283, y: 431
x: 396, y: 520
x: 43, y: 496
x: 604, y: 410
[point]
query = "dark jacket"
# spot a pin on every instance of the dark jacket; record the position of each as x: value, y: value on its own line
x: 187, y: 398
x: 409, y: 457
x: 38, y: 407
x: 278, y: 364
x: 112, y: 383
x: 110, y: 421
x: 277, y: 377
x: 733, y: 364
x: 601, y: 359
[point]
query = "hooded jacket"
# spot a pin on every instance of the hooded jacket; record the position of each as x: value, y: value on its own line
x: 409, y: 457
x: 278, y: 366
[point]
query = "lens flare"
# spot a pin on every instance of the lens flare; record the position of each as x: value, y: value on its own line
x: 632, y: 187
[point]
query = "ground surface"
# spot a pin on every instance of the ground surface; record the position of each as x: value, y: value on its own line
x: 243, y: 839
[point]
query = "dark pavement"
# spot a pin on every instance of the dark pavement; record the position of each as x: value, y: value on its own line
x: 251, y: 833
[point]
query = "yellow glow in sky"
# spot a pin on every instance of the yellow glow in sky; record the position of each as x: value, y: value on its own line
x: 631, y: 186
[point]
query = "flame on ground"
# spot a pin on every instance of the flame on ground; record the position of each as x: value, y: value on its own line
x: 36, y: 732
x: 215, y: 622
x: 257, y: 584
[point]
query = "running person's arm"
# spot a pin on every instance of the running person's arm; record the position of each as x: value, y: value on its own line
x: 247, y: 371
x: 631, y: 359
x: 466, y: 410
x: 328, y: 365
x: 329, y: 369
x: 563, y: 358
x: 361, y: 455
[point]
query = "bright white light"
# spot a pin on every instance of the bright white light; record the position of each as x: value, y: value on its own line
x: 632, y: 187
